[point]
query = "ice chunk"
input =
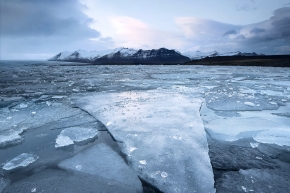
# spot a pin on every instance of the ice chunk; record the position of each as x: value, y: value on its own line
x: 33, y: 116
x: 22, y: 160
x: 249, y: 103
x: 10, y: 137
x: 234, y: 128
x: 235, y: 98
x: 171, y: 114
x: 78, y: 135
x: 279, y: 136
x: 102, y: 161
x: 63, y: 141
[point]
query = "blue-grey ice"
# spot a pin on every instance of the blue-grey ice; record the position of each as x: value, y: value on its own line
x: 77, y: 135
x: 27, y: 116
x: 163, y: 136
x: 21, y: 160
x: 102, y: 161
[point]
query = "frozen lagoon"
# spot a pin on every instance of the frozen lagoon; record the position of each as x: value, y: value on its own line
x: 178, y: 128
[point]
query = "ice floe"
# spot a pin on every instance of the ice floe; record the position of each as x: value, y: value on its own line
x: 102, y: 161
x: 22, y: 160
x: 78, y: 135
x: 151, y: 119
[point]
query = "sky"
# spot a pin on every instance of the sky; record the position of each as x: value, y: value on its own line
x: 40, y: 29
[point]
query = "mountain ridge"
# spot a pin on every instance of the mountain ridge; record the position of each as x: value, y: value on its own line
x: 123, y: 55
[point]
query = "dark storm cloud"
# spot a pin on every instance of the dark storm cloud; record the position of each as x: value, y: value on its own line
x: 44, y: 18
x: 257, y: 30
x: 229, y: 32
x: 270, y: 36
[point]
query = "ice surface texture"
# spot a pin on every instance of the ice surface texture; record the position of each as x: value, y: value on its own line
x: 255, y: 180
x: 102, y: 161
x: 162, y: 134
x: 79, y: 135
x: 28, y: 116
x: 22, y: 160
x: 59, y: 181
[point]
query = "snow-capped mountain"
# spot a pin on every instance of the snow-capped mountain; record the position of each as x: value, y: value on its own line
x: 132, y: 56
x: 123, y: 56
x: 155, y: 56
x: 82, y: 55
x: 197, y: 55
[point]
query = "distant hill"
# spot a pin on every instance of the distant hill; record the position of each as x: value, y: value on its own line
x: 240, y: 60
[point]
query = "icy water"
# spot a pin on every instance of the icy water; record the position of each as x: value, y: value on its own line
x: 70, y: 127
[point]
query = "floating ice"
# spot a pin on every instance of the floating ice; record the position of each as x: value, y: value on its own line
x: 254, y: 145
x: 102, y: 161
x: 27, y: 118
x: 249, y: 103
x: 63, y: 141
x: 143, y: 162
x: 22, y: 160
x: 235, y: 98
x: 278, y: 136
x: 171, y: 114
x: 76, y: 135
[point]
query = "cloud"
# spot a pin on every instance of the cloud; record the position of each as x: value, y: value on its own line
x: 269, y: 36
x: 44, y: 27
x: 132, y: 32
x: 230, y: 32
x: 44, y: 18
x: 197, y: 27
x: 257, y: 30
x: 247, y: 5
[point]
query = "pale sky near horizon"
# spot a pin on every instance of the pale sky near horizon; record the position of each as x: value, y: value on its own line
x: 40, y: 29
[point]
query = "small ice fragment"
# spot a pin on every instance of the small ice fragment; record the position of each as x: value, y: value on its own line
x: 244, y: 188
x: 21, y: 160
x: 33, y: 113
x: 109, y: 123
x: 254, y: 145
x: 62, y: 141
x: 273, y: 103
x: 48, y: 103
x: 132, y: 149
x: 79, y: 167
x: 164, y: 174
x: 33, y: 190
x: 8, y: 118
x: 143, y: 162
x: 259, y: 158
x: 249, y: 103
x: 177, y: 137
x: 75, y: 90
x: 58, y: 97
x: 22, y: 106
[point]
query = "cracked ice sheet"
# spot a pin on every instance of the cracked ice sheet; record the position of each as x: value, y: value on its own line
x: 263, y: 126
x: 162, y: 134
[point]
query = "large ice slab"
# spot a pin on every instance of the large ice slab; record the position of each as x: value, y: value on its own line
x: 22, y: 160
x: 102, y: 161
x: 162, y: 134
x: 78, y: 135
